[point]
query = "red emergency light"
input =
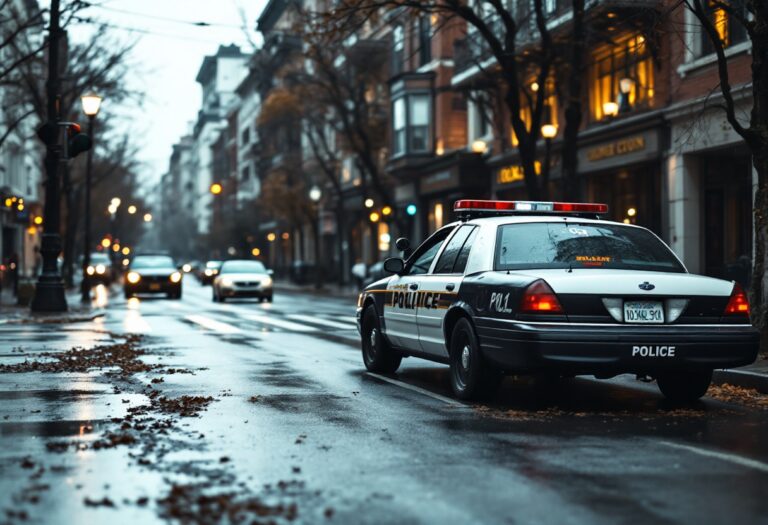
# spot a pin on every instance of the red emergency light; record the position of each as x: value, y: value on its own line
x: 467, y: 206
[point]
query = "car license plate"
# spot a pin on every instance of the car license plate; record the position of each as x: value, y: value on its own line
x: 154, y: 287
x: 643, y: 312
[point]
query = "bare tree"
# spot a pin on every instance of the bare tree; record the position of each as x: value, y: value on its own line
x: 503, y: 34
x: 755, y: 133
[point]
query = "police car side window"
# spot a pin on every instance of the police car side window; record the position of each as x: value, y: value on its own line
x: 448, y: 258
x: 461, y: 260
x: 421, y: 261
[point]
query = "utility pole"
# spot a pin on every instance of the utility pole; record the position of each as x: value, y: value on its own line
x: 49, y: 290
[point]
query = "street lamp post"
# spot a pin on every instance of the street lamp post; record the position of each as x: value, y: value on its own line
x: 49, y: 289
x: 91, y: 105
x: 315, y: 194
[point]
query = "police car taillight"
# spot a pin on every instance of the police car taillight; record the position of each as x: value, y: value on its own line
x: 738, y: 304
x: 480, y: 206
x: 539, y: 298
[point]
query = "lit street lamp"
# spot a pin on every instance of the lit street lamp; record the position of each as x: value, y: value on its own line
x: 91, y: 105
x: 147, y: 217
x: 548, y: 131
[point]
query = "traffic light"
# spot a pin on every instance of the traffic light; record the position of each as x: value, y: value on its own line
x: 77, y: 142
x: 411, y: 210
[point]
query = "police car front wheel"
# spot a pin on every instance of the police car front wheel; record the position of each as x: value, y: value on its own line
x: 378, y: 356
x: 471, y: 376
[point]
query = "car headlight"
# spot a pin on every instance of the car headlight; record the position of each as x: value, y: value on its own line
x: 226, y: 281
x: 267, y: 281
x: 187, y: 268
x: 175, y: 277
x: 100, y: 269
x: 133, y: 277
x: 90, y: 270
x: 208, y: 272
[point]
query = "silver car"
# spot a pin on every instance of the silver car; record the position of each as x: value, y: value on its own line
x: 243, y: 278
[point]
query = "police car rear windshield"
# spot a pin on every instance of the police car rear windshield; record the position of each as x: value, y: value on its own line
x: 572, y: 245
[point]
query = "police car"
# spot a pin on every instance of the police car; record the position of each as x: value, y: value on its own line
x: 551, y: 288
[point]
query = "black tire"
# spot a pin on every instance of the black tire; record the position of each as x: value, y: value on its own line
x: 268, y: 298
x: 684, y: 386
x: 378, y: 356
x: 472, y: 377
x: 222, y: 299
x: 214, y: 297
x: 128, y: 295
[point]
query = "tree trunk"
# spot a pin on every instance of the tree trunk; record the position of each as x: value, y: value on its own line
x: 569, y: 164
x: 526, y: 147
x: 758, y: 299
x: 340, y: 238
x: 759, y: 123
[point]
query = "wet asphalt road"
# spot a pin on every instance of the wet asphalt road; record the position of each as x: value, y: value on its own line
x: 298, y: 426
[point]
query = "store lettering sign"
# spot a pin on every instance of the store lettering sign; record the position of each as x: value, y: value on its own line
x: 510, y: 174
x: 615, y: 149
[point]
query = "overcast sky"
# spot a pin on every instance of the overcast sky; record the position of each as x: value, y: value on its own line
x: 169, y: 53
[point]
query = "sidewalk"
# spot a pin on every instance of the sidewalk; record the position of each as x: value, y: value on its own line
x: 752, y: 376
x: 12, y: 313
x: 349, y: 292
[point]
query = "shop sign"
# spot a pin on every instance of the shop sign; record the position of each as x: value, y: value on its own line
x: 621, y: 152
x: 514, y: 173
x: 619, y: 147
x: 442, y: 180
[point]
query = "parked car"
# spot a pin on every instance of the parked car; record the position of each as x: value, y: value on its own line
x: 551, y: 288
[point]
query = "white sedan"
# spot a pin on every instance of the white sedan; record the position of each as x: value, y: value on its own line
x: 243, y: 278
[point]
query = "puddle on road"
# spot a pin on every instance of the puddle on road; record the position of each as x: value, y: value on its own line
x: 46, y: 429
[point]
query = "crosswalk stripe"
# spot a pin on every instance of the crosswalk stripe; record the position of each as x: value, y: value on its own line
x: 212, y: 324
x: 288, y: 325
x: 322, y: 321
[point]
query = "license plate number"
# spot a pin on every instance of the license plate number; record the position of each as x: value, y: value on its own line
x: 643, y: 312
x: 154, y: 286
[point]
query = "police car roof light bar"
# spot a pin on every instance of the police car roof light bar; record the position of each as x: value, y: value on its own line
x: 468, y: 207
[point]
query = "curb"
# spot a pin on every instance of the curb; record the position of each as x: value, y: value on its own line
x: 43, y: 319
x: 325, y: 292
x: 741, y: 378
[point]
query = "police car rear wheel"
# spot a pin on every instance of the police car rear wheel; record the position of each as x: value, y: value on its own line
x: 378, y: 356
x: 471, y: 376
x: 684, y: 386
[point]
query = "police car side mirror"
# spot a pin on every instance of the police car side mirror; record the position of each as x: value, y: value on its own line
x: 270, y: 272
x: 394, y: 265
x: 402, y: 244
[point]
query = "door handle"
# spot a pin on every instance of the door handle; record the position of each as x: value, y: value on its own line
x: 414, y: 286
x: 450, y: 287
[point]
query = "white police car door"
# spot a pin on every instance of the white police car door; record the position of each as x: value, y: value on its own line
x: 403, y: 293
x: 440, y: 288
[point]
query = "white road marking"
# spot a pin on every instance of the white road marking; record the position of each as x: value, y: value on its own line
x: 280, y: 323
x: 212, y: 324
x: 446, y: 400
x: 724, y: 456
x: 321, y: 321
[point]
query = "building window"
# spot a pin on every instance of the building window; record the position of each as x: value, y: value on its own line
x: 398, y: 126
x: 425, y: 40
x: 246, y: 173
x: 729, y: 29
x: 398, y: 50
x: 621, y: 78
x: 411, y: 130
x: 245, y: 137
